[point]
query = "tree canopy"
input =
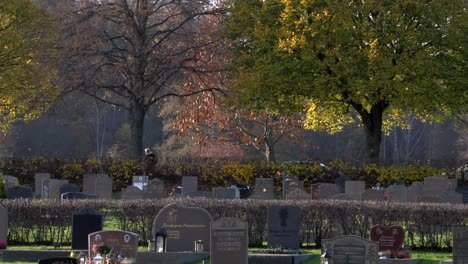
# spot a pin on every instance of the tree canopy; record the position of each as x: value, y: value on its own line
x: 26, y: 79
x: 370, y: 61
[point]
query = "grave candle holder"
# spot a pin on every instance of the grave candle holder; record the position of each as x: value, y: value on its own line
x: 98, y: 259
x: 199, y: 246
x: 325, y: 258
x: 161, y: 240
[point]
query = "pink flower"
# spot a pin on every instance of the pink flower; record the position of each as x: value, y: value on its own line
x: 95, y: 248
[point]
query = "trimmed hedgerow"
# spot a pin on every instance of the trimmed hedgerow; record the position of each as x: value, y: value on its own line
x: 427, y: 225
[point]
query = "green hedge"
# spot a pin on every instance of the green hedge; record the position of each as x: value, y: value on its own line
x: 427, y: 225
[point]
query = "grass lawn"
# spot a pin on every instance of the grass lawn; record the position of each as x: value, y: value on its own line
x: 426, y: 256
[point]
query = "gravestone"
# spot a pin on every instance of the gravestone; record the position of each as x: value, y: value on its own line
x: 354, y: 189
x: 327, y: 190
x: 340, y: 182
x: 314, y: 190
x: 298, y: 194
x: 189, y: 184
x: 54, y: 188
x: 397, y: 193
x: 229, y: 241
x: 69, y: 187
x: 224, y: 193
x: 372, y: 195
x: 19, y: 192
x: 342, y: 196
x: 58, y: 261
x: 45, y: 188
x: 38, y: 179
x: 103, y: 187
x: 388, y: 237
x: 85, y: 222
x: 89, y: 183
x: 199, y: 195
x: 140, y: 182
x: 10, y: 181
x: 351, y: 250
x: 78, y: 196
x: 283, y: 226
x: 3, y: 224
x: 132, y: 193
x: 121, y: 243
x: 291, y: 183
x: 460, y: 245
x: 184, y: 226
x: 154, y: 189
x: 464, y: 191
x: 264, y: 189
x: 415, y: 191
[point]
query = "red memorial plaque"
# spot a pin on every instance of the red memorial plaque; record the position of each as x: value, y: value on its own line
x: 389, y: 237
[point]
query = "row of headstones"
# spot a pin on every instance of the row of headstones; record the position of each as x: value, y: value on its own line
x: 186, y: 225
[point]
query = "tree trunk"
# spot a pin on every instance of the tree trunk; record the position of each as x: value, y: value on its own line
x: 373, y: 128
x: 137, y: 115
x: 270, y: 152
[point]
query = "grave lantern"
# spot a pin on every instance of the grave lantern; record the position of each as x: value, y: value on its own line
x: 82, y: 257
x: 127, y: 261
x: 98, y: 259
x: 199, y: 245
x: 325, y: 258
x: 161, y: 240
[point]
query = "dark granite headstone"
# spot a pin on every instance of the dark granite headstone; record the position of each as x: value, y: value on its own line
x: 224, y: 193
x: 340, y: 181
x: 19, y: 192
x: 78, y: 196
x: 283, y: 227
x: 132, y: 193
x: 54, y: 188
x: 69, y: 187
x: 184, y: 226
x: 460, y: 245
x: 58, y: 261
x: 464, y: 191
x: 154, y: 189
x: 85, y: 222
x: 189, y: 184
x: 121, y: 243
x: 3, y: 223
x: 229, y: 241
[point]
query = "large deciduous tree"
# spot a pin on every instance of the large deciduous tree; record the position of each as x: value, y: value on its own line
x: 26, y: 77
x: 134, y: 54
x: 378, y: 59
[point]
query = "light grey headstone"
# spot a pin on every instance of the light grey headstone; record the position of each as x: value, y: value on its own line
x: 140, y: 182
x: 3, y: 223
x: 327, y: 190
x: 229, y: 241
x: 154, y: 189
x: 54, y: 188
x: 397, y: 193
x: 11, y: 181
x: 19, y: 192
x: 354, y: 189
x: 189, y: 184
x: 460, y: 245
x: 38, y: 179
x: 264, y: 189
x: 373, y: 195
x: 291, y: 183
x: 89, y: 183
x: 351, y: 249
x: 435, y: 185
x: 184, y: 226
x: 283, y: 227
x: 224, y: 193
x: 103, y: 187
x: 132, y: 193
x: 78, y: 196
x: 123, y: 242
x: 298, y: 194
x: 415, y: 191
x: 342, y: 196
